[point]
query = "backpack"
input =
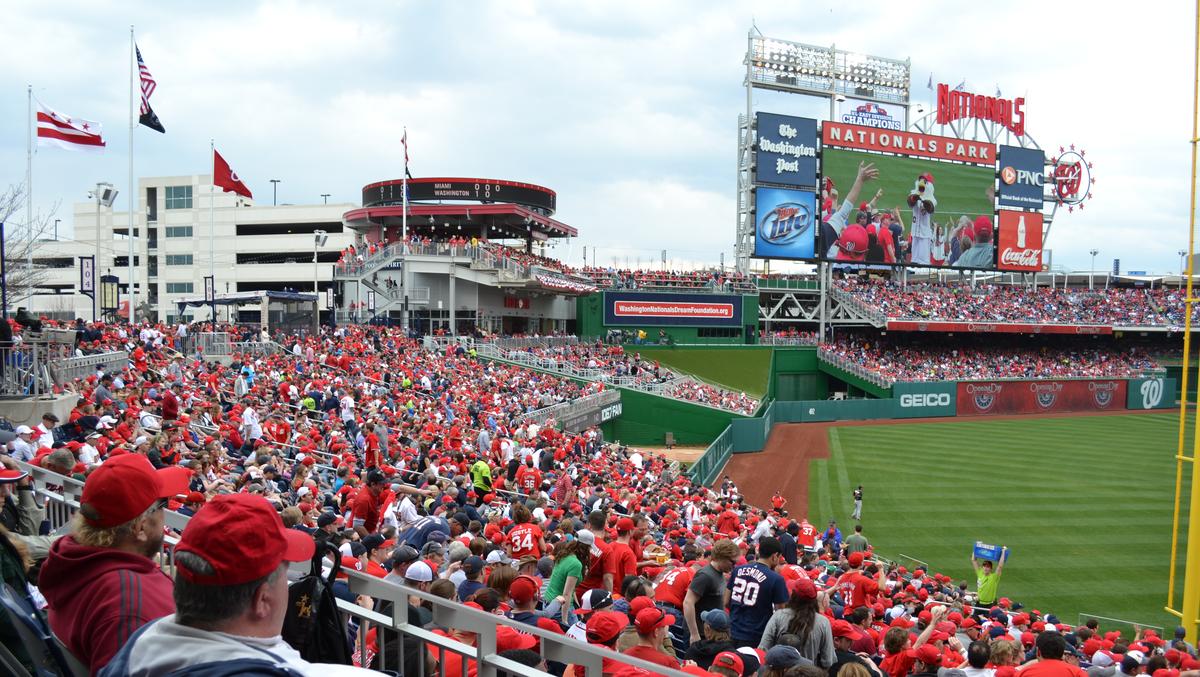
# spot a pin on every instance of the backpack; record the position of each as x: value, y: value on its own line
x: 313, y: 625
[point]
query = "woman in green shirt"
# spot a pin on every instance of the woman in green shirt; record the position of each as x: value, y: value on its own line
x: 570, y: 566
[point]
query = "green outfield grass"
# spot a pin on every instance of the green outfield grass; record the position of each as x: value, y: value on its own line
x: 1084, y: 503
x: 960, y: 189
x: 743, y: 369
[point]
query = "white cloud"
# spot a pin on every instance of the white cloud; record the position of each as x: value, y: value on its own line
x: 627, y: 108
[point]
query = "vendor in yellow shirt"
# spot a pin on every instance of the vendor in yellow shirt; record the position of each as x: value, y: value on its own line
x: 988, y: 578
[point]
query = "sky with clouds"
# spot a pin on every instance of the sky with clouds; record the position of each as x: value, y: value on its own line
x: 628, y: 109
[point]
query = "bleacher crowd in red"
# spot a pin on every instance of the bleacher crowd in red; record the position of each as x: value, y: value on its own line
x: 415, y: 467
x: 908, y: 360
x: 613, y: 363
x: 1116, y: 306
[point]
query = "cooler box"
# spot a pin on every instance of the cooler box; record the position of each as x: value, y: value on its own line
x: 987, y: 551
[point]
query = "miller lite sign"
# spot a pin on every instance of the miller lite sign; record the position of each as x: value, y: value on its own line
x: 1019, y: 246
x: 785, y: 223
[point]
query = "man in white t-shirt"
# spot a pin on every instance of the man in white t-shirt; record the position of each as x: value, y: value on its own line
x: 44, y: 432
x: 251, y: 428
x: 23, y: 447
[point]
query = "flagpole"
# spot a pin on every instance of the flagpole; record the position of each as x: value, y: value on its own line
x: 132, y: 188
x: 212, y: 197
x: 404, y: 277
x: 29, y: 125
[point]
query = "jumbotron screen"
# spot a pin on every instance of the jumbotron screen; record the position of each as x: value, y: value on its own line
x: 921, y: 212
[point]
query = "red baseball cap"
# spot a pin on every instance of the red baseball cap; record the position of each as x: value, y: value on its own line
x: 855, y: 559
x: 604, y: 626
x: 730, y: 661
x: 624, y: 524
x: 242, y: 538
x: 125, y: 487
x: 639, y: 604
x: 648, y: 620
x: 927, y: 654
x: 523, y: 588
x: 844, y: 629
x: 803, y: 588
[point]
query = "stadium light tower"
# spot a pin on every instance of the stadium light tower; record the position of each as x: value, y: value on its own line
x: 813, y: 70
x: 1182, y: 267
x: 1092, y: 270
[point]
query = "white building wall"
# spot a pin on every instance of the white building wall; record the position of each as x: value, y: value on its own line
x: 174, y: 272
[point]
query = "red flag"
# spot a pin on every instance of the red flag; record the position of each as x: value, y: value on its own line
x: 227, y: 179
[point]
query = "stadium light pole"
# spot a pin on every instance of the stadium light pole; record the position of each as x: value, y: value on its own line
x: 325, y: 196
x: 1182, y: 269
x: 1092, y: 270
x: 275, y: 191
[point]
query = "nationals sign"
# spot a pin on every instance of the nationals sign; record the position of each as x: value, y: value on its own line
x: 1039, y: 397
x: 954, y: 104
x: 1020, y: 241
x: 908, y: 143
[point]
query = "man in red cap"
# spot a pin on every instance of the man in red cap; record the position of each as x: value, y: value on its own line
x: 652, y: 625
x: 623, y: 561
x: 100, y: 581
x: 231, y: 595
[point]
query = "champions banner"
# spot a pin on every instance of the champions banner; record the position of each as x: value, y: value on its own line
x: 1040, y: 397
x: 998, y: 327
x: 648, y: 309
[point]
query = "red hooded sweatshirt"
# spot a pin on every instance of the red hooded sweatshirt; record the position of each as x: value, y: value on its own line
x: 98, y: 597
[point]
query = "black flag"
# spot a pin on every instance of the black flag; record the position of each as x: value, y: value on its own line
x: 151, y: 120
x: 147, y: 117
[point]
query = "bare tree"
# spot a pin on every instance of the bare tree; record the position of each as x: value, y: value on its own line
x: 21, y: 244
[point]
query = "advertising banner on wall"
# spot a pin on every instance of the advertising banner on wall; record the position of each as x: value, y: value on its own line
x: 649, y: 309
x: 1151, y: 393
x: 1000, y: 327
x: 784, y: 223
x: 871, y: 114
x: 926, y: 399
x: 1019, y: 243
x: 787, y: 150
x: 1039, y: 397
x: 1022, y: 177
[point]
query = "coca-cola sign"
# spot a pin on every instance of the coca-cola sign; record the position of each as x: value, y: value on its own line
x: 1020, y: 240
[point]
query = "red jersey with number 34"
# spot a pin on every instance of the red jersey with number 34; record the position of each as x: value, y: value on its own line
x: 674, y: 586
x: 524, y: 539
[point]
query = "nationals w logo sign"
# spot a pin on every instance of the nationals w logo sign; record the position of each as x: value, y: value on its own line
x: 1152, y: 393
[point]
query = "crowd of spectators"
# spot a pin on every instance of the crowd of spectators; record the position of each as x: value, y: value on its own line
x: 964, y: 359
x: 612, y: 363
x: 712, y: 280
x: 414, y: 466
x: 1010, y: 303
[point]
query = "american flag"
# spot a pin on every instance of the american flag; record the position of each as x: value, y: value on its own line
x: 147, y: 117
x: 148, y: 83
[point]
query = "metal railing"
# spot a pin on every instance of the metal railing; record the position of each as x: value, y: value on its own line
x: 873, y: 314
x: 587, y: 409
x: 71, y: 368
x: 563, y: 368
x: 62, y: 496
x: 854, y: 368
x: 807, y: 340
x: 708, y: 466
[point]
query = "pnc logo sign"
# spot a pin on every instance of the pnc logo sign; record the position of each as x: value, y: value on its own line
x: 1011, y: 175
x: 913, y: 400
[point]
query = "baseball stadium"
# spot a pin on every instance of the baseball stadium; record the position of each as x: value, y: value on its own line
x: 890, y: 439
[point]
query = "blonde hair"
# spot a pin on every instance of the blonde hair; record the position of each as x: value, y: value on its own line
x: 99, y: 537
x: 853, y: 670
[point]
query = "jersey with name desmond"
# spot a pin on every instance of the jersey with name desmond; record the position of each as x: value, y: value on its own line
x: 754, y: 591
